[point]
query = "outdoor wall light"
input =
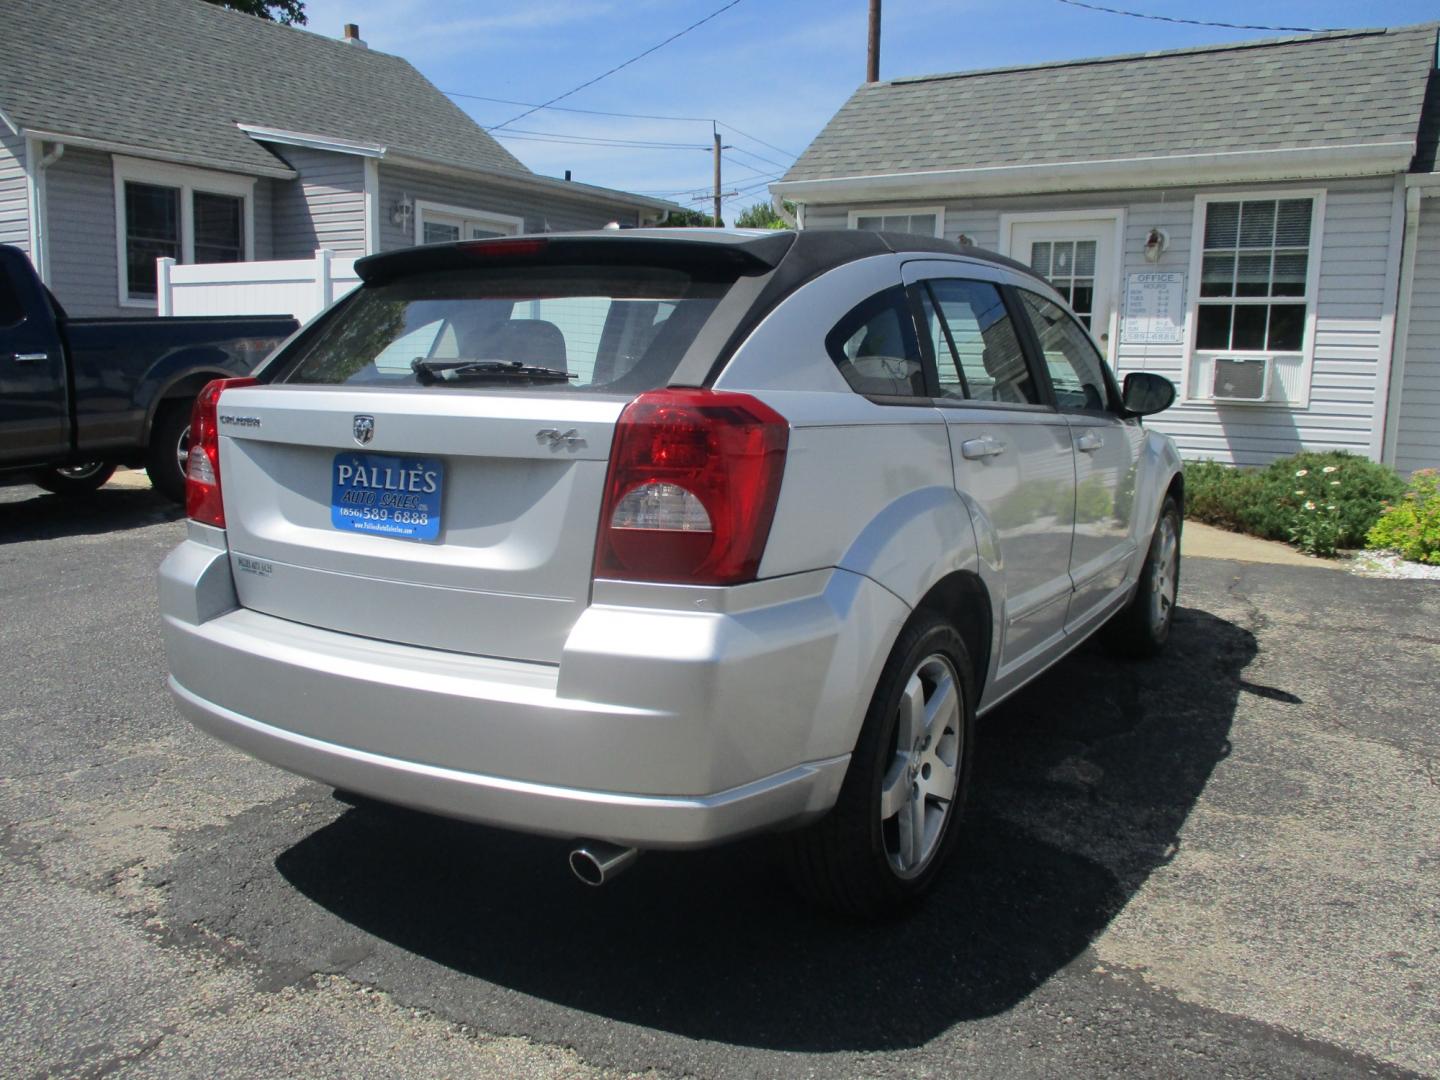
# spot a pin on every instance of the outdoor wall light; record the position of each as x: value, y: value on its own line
x: 403, y: 211
x: 1156, y: 241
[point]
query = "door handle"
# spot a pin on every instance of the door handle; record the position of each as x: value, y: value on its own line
x: 1089, y: 443
x: 983, y: 447
x: 30, y: 357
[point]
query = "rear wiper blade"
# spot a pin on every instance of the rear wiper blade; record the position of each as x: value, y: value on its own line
x: 433, y: 371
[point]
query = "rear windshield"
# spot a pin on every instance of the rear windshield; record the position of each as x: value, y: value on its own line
x: 611, y: 329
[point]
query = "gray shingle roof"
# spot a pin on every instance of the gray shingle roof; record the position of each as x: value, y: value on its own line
x: 176, y: 76
x: 1330, y: 89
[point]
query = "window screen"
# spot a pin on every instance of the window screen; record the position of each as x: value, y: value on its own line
x: 152, y: 231
x: 924, y: 224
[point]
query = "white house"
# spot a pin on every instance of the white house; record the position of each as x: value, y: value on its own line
x: 1250, y: 220
x: 175, y: 129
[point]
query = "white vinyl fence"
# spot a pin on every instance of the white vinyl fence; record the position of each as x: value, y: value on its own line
x: 299, y: 287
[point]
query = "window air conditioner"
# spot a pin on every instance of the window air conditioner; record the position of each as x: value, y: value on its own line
x: 1241, y: 378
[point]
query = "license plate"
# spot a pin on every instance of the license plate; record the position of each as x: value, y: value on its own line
x: 386, y: 495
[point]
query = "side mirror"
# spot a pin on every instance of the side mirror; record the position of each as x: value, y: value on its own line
x: 1146, y: 393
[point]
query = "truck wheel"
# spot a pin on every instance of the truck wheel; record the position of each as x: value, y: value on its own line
x: 169, y: 446
x: 899, y: 809
x: 75, y: 479
x: 1142, y: 627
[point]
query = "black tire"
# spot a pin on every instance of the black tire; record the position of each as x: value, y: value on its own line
x: 169, y: 436
x: 848, y: 859
x: 1142, y: 627
x: 83, y: 479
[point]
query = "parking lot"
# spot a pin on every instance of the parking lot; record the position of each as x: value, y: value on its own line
x: 1225, y: 862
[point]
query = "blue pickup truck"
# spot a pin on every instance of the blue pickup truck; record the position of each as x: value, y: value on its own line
x: 80, y: 397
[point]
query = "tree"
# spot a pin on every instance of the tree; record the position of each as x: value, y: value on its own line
x: 763, y: 216
x: 689, y: 219
x: 289, y: 12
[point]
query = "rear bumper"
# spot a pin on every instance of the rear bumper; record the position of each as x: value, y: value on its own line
x: 660, y: 727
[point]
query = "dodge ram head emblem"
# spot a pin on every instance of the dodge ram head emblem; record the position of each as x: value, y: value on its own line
x: 364, y: 429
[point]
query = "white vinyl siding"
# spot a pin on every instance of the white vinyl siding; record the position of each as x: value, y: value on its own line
x: 1417, y: 444
x: 541, y: 212
x: 1356, y: 239
x: 324, y: 207
x: 14, y: 192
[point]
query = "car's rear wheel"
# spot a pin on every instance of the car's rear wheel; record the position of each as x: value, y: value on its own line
x: 79, y: 479
x: 1142, y: 627
x: 899, y: 809
x: 165, y: 456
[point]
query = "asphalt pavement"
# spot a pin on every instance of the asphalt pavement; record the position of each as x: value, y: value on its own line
x: 1223, y: 862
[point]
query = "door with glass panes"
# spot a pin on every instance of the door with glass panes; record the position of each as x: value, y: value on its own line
x: 1077, y: 257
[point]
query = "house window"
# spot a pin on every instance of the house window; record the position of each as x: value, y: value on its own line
x: 1254, y: 274
x: 923, y: 220
x: 439, y: 224
x: 170, y: 212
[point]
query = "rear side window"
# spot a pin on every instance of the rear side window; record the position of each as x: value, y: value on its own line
x: 979, y: 357
x: 619, y: 329
x: 1074, y: 364
x: 876, y: 349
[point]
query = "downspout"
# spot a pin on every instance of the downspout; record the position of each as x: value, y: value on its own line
x: 777, y: 203
x: 1402, y: 324
x: 36, y: 162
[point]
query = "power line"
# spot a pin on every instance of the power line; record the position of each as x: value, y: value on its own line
x: 604, y: 140
x: 595, y: 145
x: 618, y: 67
x: 1204, y: 22
x: 760, y: 157
x: 755, y: 138
x: 588, y: 112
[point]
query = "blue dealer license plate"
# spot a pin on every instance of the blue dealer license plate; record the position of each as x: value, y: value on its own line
x: 389, y: 496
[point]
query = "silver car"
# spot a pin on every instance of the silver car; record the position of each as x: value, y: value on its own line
x: 654, y: 539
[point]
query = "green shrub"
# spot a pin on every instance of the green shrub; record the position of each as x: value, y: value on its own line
x: 1318, y: 501
x: 1411, y: 525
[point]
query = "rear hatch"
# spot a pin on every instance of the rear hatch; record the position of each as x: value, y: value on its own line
x: 427, y: 463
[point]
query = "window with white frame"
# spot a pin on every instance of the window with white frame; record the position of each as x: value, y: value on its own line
x: 1254, y: 275
x: 924, y: 220
x: 189, y: 215
x: 1254, y: 279
x: 436, y: 223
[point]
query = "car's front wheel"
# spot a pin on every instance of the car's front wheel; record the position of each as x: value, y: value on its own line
x: 1142, y: 627
x: 898, y: 813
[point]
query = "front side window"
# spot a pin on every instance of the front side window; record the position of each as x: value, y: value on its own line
x: 1254, y: 271
x: 978, y: 355
x: 1076, y: 370
x: 875, y: 347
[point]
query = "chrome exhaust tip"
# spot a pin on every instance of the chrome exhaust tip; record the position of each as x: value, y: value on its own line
x: 595, y: 862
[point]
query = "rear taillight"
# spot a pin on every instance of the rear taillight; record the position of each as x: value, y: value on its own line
x: 694, y: 478
x: 202, y: 466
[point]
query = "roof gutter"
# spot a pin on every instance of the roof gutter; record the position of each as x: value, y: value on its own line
x: 83, y: 142
x: 282, y: 137
x: 1166, y: 170
x: 658, y: 208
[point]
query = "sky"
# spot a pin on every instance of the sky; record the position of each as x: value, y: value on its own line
x: 771, y: 72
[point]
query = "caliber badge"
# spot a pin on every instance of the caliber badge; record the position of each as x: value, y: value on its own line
x: 364, y: 429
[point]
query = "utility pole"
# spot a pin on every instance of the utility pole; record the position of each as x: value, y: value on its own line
x: 872, y: 65
x: 717, y: 176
